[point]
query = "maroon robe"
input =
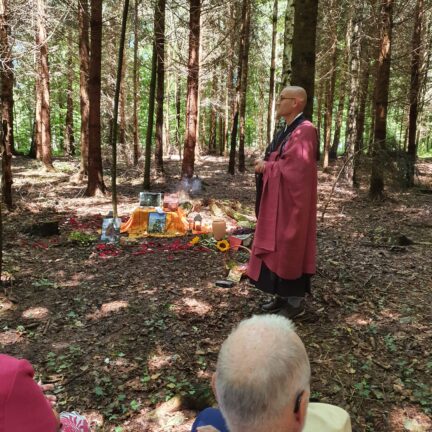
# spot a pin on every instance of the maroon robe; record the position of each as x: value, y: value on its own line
x: 285, y: 235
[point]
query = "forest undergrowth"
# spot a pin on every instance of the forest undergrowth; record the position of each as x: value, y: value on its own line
x: 130, y: 336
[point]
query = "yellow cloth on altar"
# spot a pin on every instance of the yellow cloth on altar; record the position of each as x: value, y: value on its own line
x: 136, y: 226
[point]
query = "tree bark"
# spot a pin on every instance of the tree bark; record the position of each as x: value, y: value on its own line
x: 69, y: 137
x: 271, y: 100
x: 6, y: 176
x: 364, y: 86
x: 376, y: 188
x: 43, y: 124
x: 95, y: 173
x: 84, y: 59
x: 353, y: 104
x: 414, y: 92
x: 288, y: 44
x: 6, y: 78
x: 178, y: 114
x: 120, y: 78
x: 122, y: 113
x: 150, y: 119
x: 243, y: 88
x: 303, y: 56
x: 192, y: 89
x: 136, y: 88
x: 160, y: 81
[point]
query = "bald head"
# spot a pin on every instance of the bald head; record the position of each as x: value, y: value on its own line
x: 262, y: 366
x: 299, y: 93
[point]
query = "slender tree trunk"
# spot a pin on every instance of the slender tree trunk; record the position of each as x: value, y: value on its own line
x: 84, y: 58
x: 6, y: 175
x: 136, y: 88
x: 414, y: 91
x: 243, y: 88
x: 192, y: 89
x: 376, y: 188
x: 271, y: 101
x: 213, y: 115
x: 364, y: 85
x: 354, y: 68
x: 329, y: 98
x: 303, y: 57
x: 95, y: 173
x: 288, y: 44
x: 120, y: 77
x: 6, y: 78
x: 150, y: 120
x: 178, y: 114
x: 69, y: 137
x: 160, y: 53
x: 122, y: 113
x: 44, y: 123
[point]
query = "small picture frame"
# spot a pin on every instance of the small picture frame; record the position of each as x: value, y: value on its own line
x: 111, y: 230
x: 156, y: 223
x: 150, y: 199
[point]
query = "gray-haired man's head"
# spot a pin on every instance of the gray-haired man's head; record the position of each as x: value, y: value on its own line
x: 262, y: 376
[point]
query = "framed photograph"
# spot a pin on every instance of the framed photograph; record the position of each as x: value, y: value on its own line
x: 111, y: 230
x: 150, y: 199
x: 156, y: 223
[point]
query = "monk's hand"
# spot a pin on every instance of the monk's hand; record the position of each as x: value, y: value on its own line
x: 259, y: 166
x: 50, y: 397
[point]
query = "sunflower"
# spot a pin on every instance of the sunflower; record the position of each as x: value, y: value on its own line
x: 195, y: 241
x: 223, y: 245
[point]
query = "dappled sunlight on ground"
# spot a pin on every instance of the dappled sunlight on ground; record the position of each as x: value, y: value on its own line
x: 6, y: 305
x: 36, y: 313
x: 108, y: 308
x: 357, y: 320
x: 409, y: 418
x: 10, y: 337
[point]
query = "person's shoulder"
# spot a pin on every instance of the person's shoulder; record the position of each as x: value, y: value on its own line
x: 12, y: 365
x: 307, y: 125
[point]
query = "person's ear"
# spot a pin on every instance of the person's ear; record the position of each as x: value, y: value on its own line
x: 300, y: 408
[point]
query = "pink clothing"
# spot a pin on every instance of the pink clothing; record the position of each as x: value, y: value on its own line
x: 23, y: 406
x: 285, y: 235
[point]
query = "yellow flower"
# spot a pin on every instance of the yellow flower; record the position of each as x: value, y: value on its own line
x: 223, y: 245
x: 195, y: 240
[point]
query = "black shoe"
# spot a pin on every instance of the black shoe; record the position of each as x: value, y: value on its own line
x: 289, y: 311
x: 274, y: 305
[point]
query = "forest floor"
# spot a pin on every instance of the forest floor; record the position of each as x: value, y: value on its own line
x: 121, y: 335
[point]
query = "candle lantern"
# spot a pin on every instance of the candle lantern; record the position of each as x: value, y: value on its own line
x: 197, y: 222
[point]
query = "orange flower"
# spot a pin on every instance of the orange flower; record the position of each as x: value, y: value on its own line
x: 223, y: 245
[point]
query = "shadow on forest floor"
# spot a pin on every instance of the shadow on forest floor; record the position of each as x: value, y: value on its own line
x: 121, y: 335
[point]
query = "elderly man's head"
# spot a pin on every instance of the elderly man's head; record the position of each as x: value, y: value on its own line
x: 291, y: 101
x: 262, y: 376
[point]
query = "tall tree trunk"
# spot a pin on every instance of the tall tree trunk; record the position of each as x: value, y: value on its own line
x: 243, y: 89
x: 6, y: 175
x: 44, y: 122
x: 122, y: 113
x: 213, y: 114
x: 192, y: 89
x: 150, y: 120
x: 376, y: 188
x: 6, y: 78
x: 160, y: 81
x: 303, y: 56
x: 69, y: 137
x: 353, y: 104
x: 364, y: 86
x: 135, y: 150
x: 95, y: 173
x: 271, y: 101
x: 288, y: 44
x: 329, y: 97
x: 120, y: 78
x: 84, y: 58
x: 414, y: 91
x: 178, y: 114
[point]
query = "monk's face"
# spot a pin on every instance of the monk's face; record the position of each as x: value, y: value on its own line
x: 286, y: 103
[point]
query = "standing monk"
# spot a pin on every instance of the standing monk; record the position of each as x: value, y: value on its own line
x: 284, y: 249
